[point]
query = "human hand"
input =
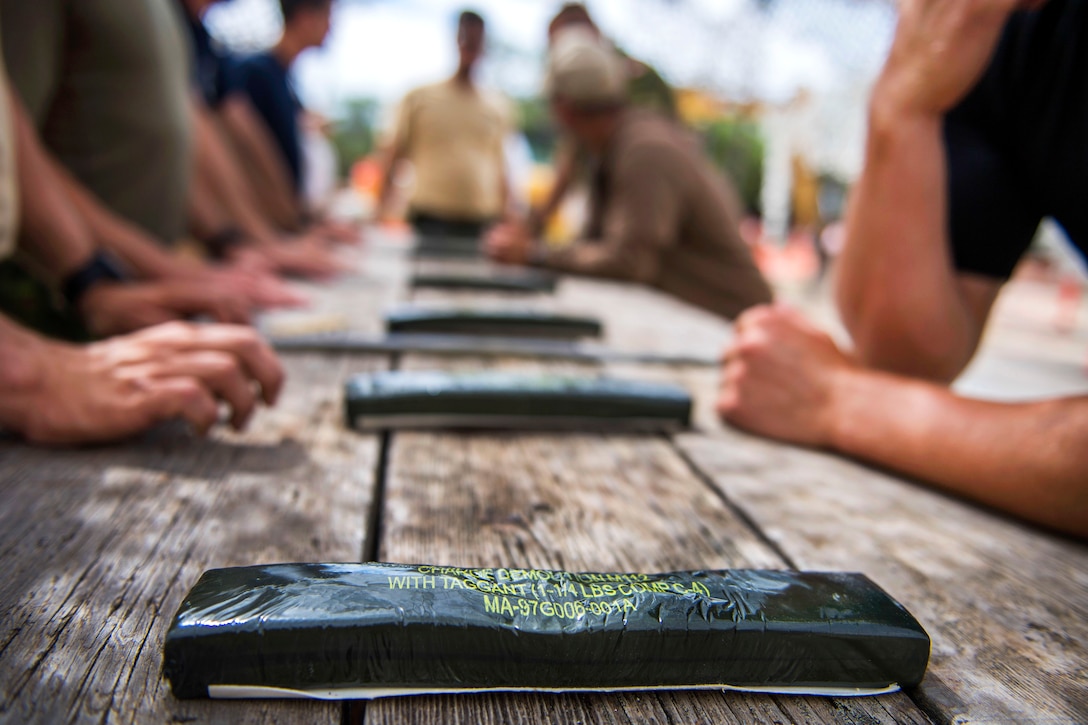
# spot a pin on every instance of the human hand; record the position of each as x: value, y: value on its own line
x: 122, y: 386
x: 261, y: 288
x: 114, y: 309
x: 309, y: 257
x: 941, y: 49
x: 339, y: 232
x: 782, y: 378
x: 509, y: 243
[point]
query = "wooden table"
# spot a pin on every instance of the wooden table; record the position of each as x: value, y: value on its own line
x: 99, y: 546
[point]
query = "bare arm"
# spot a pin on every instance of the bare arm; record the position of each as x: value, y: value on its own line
x: 217, y: 171
x: 398, y: 150
x: 907, y: 308
x: 143, y: 255
x: 262, y: 163
x: 642, y: 220
x: 784, y: 379
x: 393, y: 157
x: 52, y: 233
x: 564, y: 176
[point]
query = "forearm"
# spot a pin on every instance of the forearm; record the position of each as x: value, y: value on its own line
x: 19, y: 372
x: 268, y: 172
x: 564, y: 174
x: 388, y: 180
x: 1027, y: 459
x: 52, y: 233
x: 217, y: 170
x: 142, y: 254
x: 897, y: 289
x: 595, y: 259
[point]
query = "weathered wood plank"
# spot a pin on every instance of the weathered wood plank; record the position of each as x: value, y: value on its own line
x: 377, y: 280
x: 581, y: 502
x: 1005, y: 604
x: 99, y: 547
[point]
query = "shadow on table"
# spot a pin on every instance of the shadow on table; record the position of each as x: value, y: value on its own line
x: 171, y: 449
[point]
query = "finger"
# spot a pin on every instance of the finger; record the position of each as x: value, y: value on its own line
x: 230, y: 310
x: 270, y: 293
x: 184, y: 398
x: 727, y: 404
x: 257, y: 359
x: 748, y: 318
x: 220, y: 373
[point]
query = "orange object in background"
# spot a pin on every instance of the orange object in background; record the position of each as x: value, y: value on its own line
x: 366, y: 177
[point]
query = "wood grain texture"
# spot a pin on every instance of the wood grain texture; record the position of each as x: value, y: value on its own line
x: 100, y: 546
x: 376, y: 280
x: 1006, y: 605
x: 586, y: 502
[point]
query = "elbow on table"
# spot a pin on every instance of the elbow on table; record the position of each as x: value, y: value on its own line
x: 893, y: 340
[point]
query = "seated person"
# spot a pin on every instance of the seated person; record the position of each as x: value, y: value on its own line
x: 660, y: 214
x: 58, y: 393
x: 978, y: 129
x: 453, y: 134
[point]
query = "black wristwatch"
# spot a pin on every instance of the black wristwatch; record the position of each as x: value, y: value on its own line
x: 101, y: 268
x: 220, y: 243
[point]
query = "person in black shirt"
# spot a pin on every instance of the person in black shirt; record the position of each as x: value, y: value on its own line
x: 241, y: 201
x: 978, y: 130
x: 265, y: 77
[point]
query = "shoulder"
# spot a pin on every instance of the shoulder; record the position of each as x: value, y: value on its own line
x: 256, y: 68
x: 646, y: 135
x: 427, y: 92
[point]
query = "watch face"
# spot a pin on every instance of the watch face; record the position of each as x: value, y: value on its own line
x: 511, y: 400
x: 501, y: 323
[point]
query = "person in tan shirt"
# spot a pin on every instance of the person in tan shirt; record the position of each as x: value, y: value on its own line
x: 660, y: 214
x: 453, y: 133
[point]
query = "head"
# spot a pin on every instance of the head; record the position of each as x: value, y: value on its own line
x: 307, y: 21
x: 586, y: 83
x: 470, y: 40
x: 571, y: 15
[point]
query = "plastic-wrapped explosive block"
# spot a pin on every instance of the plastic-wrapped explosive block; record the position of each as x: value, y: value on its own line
x: 447, y: 248
x: 524, y: 281
x: 346, y: 631
x: 410, y: 399
x: 499, y: 323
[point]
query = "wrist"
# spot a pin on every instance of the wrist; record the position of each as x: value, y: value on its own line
x: 222, y: 242
x: 100, y: 268
x: 891, y: 111
x: 24, y: 363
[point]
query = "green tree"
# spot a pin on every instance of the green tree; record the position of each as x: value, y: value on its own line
x: 736, y: 146
x: 354, y: 134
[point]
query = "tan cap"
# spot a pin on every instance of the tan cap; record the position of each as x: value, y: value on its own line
x: 584, y: 70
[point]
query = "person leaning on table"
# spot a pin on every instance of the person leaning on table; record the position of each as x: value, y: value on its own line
x: 660, y: 213
x: 978, y: 129
x: 56, y: 393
